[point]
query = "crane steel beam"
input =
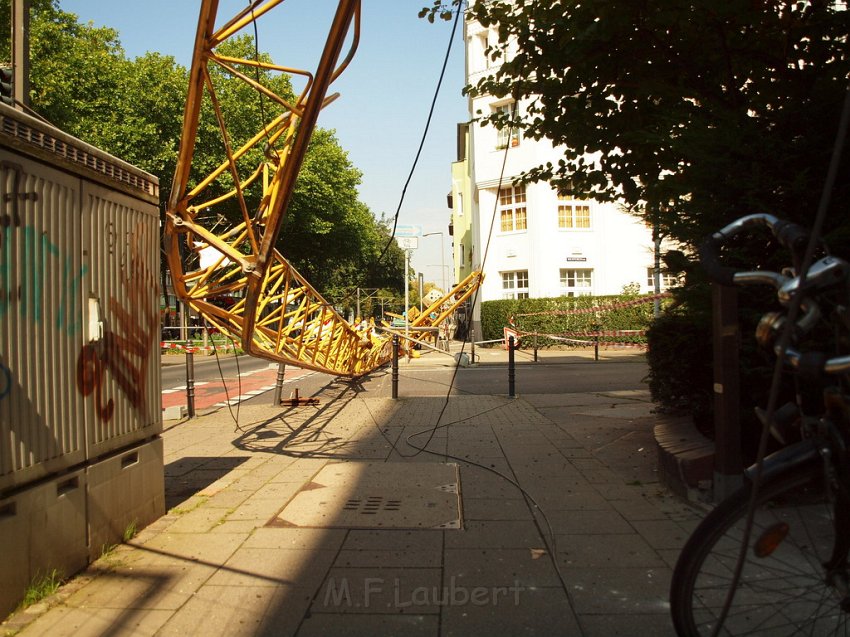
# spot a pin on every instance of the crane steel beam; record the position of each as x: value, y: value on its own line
x: 235, y: 277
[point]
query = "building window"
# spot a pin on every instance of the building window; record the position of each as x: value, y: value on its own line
x: 577, y: 282
x: 513, y: 215
x: 508, y: 135
x: 667, y: 280
x: 515, y: 285
x: 573, y: 214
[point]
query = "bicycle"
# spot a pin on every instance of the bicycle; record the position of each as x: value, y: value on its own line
x: 794, y: 578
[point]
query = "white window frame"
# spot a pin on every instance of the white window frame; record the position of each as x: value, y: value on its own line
x: 576, y: 281
x: 515, y: 284
x: 568, y: 209
x: 513, y: 206
x: 667, y: 280
x: 510, y: 134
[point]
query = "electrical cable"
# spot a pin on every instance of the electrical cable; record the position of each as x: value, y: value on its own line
x: 551, y: 541
x: 424, y: 136
x: 221, y: 375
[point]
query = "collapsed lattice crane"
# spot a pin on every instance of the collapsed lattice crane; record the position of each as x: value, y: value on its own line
x: 236, y: 279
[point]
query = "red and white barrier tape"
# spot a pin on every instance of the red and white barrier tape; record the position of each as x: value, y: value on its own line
x: 598, y: 308
x: 193, y: 348
x: 565, y: 338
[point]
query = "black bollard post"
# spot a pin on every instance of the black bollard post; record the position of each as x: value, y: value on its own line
x: 190, y: 380
x: 278, y: 386
x: 535, y: 347
x: 395, y: 368
x: 511, y: 368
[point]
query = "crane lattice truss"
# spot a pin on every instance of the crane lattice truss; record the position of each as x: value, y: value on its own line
x: 235, y: 278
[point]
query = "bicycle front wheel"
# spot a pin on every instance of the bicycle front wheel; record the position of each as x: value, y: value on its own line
x: 784, y: 588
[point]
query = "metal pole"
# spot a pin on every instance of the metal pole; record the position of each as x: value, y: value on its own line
x: 535, y: 347
x: 407, y: 298
x: 443, y: 262
x: 395, y: 368
x: 421, y: 284
x: 472, y: 339
x: 656, y: 271
x: 21, y: 53
x: 190, y: 380
x: 596, y: 347
x: 511, y: 368
x: 728, y: 461
x: 359, y: 315
x: 278, y: 386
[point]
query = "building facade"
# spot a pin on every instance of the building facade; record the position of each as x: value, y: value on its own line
x: 529, y: 240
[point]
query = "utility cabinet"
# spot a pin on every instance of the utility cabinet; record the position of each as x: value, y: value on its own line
x: 80, y: 396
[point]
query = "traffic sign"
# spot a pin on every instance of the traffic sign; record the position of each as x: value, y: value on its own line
x: 407, y: 243
x: 408, y: 231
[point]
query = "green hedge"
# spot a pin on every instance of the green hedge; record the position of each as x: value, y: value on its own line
x: 496, y: 315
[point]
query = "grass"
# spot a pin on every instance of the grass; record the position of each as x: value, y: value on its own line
x: 42, y: 586
x: 131, y: 530
x: 191, y: 506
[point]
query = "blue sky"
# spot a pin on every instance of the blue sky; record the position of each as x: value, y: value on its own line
x: 385, y: 93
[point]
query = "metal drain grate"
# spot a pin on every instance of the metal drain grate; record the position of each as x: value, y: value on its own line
x: 372, y: 505
x: 377, y: 495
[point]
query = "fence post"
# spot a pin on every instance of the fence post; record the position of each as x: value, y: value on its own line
x: 278, y: 386
x: 190, y: 380
x: 511, y: 368
x: 728, y: 462
x: 395, y: 368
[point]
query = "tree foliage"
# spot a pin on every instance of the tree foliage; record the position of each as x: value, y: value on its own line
x: 690, y: 112
x: 82, y: 81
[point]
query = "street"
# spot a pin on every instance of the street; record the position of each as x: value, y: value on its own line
x: 248, y: 380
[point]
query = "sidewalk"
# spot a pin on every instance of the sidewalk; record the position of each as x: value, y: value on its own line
x: 327, y: 521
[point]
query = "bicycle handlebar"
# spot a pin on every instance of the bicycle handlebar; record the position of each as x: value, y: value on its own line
x: 825, y: 273
x: 789, y: 234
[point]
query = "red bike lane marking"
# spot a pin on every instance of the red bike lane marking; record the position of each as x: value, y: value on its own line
x: 210, y: 393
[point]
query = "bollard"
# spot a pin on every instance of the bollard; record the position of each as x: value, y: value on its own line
x: 535, y: 347
x: 511, y: 368
x: 190, y: 380
x: 395, y: 368
x: 278, y: 386
x: 596, y: 347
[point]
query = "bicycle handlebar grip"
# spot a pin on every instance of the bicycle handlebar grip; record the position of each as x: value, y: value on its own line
x: 792, y: 236
x: 708, y: 256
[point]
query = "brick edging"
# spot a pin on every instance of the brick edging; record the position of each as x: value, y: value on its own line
x: 685, y: 456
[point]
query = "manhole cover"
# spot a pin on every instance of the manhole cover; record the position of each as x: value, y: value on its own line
x: 366, y: 495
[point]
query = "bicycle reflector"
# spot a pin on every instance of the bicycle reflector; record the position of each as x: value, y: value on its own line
x: 770, y: 540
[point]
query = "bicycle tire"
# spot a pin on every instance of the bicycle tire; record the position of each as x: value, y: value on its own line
x: 783, y: 592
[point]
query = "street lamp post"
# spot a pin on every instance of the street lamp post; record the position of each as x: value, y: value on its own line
x: 442, y: 256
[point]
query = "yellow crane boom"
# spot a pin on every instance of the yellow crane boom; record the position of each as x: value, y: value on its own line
x: 235, y: 278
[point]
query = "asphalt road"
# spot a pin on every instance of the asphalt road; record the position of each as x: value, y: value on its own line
x: 253, y: 379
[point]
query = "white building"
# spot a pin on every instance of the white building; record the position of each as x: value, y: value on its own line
x: 529, y: 241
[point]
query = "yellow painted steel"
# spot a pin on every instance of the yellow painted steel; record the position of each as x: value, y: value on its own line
x: 235, y: 278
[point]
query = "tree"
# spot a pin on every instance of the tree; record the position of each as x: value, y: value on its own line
x: 82, y: 81
x: 689, y: 112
